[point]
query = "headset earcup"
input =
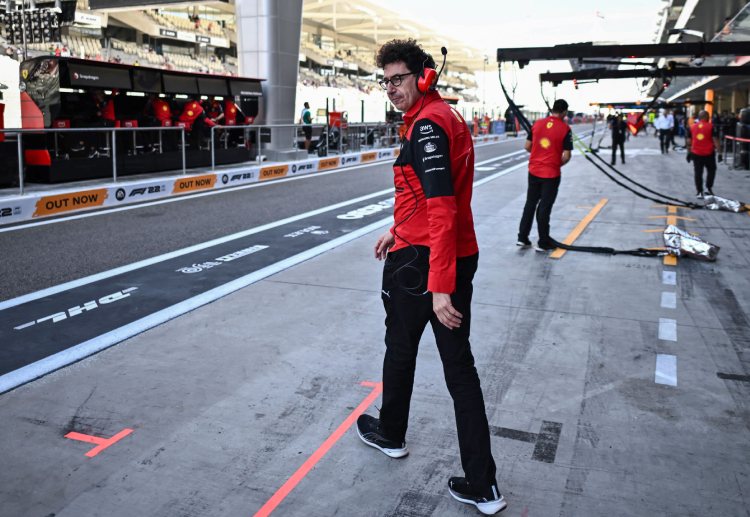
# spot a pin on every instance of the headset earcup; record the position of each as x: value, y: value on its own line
x: 426, y: 79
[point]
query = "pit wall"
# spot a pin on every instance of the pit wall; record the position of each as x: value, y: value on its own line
x: 31, y: 206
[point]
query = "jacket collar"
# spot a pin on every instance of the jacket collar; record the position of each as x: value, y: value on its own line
x: 430, y: 97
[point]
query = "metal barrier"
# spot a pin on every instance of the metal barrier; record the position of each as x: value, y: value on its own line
x: 350, y: 137
x: 331, y: 140
x: 107, y: 130
x: 734, y: 140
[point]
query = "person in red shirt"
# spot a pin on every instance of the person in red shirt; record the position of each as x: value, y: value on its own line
x: 702, y: 142
x: 550, y: 143
x: 431, y: 256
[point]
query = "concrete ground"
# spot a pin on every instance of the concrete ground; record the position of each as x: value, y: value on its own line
x: 227, y: 402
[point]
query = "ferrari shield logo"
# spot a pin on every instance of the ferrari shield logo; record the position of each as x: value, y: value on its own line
x: 25, y: 74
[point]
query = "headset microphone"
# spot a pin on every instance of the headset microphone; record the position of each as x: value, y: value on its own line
x: 429, y: 76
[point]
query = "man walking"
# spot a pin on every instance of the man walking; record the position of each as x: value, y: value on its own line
x: 619, y: 128
x: 305, y: 118
x: 430, y: 257
x: 663, y: 129
x: 550, y: 143
x: 702, y: 143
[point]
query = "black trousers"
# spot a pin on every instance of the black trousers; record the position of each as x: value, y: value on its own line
x: 664, y: 137
x: 620, y: 142
x: 540, y: 197
x: 408, y: 309
x: 699, y: 162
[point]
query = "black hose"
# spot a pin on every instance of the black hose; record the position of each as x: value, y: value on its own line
x: 638, y: 252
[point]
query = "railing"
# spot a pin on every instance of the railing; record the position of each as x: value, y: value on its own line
x: 109, y: 131
x: 735, y: 151
x: 331, y: 139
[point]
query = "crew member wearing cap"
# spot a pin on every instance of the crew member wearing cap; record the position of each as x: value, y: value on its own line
x: 702, y: 143
x: 550, y: 143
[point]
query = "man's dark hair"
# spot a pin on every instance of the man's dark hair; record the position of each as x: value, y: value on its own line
x: 407, y: 51
x: 560, y: 106
x: 307, y: 105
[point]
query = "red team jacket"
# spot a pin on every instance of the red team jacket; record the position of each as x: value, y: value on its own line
x: 702, y: 141
x: 551, y: 136
x: 437, y: 161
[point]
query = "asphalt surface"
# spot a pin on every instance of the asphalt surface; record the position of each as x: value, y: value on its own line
x: 246, y: 403
x: 38, y: 257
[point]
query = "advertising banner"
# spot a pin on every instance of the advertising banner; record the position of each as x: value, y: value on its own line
x: 304, y: 167
x: 139, y: 191
x: 70, y: 202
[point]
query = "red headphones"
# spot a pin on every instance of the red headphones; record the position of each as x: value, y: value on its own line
x: 426, y: 79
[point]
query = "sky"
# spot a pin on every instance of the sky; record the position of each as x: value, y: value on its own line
x: 491, y: 24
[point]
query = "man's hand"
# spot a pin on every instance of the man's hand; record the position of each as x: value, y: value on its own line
x: 385, y: 242
x: 444, y: 310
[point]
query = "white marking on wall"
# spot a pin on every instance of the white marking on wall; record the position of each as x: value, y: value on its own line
x: 669, y: 277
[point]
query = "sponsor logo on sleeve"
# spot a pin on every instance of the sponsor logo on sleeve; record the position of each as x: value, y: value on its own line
x: 429, y: 147
x: 195, y: 183
x: 51, y: 205
x: 425, y: 129
x: 328, y: 163
x: 369, y: 157
x: 273, y: 172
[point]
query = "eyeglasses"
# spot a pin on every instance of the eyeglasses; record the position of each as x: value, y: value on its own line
x: 395, y: 80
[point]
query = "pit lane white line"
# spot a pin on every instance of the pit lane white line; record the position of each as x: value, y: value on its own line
x: 668, y: 300
x: 216, y: 192
x: 667, y: 329
x: 160, y: 258
x: 61, y: 359
x: 666, y: 369
x: 669, y: 277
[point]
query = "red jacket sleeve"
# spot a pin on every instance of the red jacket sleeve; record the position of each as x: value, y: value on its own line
x: 431, y: 162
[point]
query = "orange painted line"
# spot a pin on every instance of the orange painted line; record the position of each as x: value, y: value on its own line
x: 578, y: 230
x: 293, y: 481
x: 671, y: 260
x: 102, y: 443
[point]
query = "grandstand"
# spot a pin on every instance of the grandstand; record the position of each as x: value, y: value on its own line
x: 338, y: 44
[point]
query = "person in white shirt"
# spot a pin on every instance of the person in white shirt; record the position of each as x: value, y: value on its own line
x: 663, y: 128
